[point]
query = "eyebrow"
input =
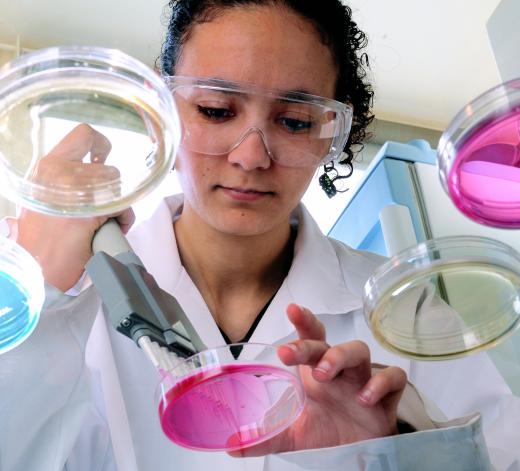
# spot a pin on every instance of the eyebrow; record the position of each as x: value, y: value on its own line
x: 300, y: 94
x: 221, y: 82
x: 289, y: 94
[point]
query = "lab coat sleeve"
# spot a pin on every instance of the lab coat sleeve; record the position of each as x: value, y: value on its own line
x: 457, y: 447
x: 474, y: 381
x: 44, y: 386
x: 438, y: 444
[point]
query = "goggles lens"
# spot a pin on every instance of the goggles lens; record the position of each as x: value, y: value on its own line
x: 297, y: 129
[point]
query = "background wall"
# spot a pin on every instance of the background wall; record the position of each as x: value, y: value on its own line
x: 428, y: 59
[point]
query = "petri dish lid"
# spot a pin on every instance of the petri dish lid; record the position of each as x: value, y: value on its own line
x: 21, y: 294
x: 84, y: 131
x: 445, y: 298
x: 479, y: 157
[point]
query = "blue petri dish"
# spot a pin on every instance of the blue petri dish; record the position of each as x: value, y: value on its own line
x: 21, y: 294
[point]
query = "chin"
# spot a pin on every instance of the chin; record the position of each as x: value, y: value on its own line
x: 243, y: 224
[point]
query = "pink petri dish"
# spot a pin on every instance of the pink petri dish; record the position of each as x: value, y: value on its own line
x: 479, y: 158
x: 214, y: 402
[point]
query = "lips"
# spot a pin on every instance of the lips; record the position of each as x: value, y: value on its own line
x: 244, y: 190
x: 244, y: 193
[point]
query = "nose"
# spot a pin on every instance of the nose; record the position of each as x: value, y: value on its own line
x: 251, y: 151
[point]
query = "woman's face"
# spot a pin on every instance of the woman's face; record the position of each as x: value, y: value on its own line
x: 244, y: 192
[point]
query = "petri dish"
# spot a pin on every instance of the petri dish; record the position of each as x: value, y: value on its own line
x: 84, y: 131
x: 21, y: 294
x: 445, y: 298
x: 479, y: 157
x: 214, y: 402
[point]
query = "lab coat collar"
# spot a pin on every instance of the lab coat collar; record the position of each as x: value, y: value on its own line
x: 154, y: 242
x: 315, y: 279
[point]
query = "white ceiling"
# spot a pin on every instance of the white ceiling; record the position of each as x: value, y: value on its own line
x: 429, y: 57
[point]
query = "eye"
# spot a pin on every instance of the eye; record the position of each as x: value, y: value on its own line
x: 215, y: 114
x: 294, y: 125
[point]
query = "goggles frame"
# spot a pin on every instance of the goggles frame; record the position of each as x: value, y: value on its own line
x: 343, y: 111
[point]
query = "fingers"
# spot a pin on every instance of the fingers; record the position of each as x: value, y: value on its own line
x: 79, y: 176
x: 85, y: 173
x: 306, y: 323
x: 312, y: 350
x: 126, y: 219
x: 64, y: 168
x: 389, y: 383
x: 275, y: 445
x: 79, y: 142
x: 351, y: 359
x: 303, y: 352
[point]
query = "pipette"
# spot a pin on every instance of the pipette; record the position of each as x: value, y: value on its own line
x: 135, y: 305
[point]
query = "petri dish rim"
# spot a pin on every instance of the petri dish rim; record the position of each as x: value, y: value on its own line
x: 38, y: 67
x: 288, y: 370
x: 392, y: 275
x: 487, y: 110
x: 16, y: 261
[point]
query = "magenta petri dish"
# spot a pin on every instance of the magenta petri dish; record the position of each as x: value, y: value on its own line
x: 214, y: 402
x: 479, y: 158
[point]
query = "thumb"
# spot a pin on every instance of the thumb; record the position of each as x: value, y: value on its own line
x: 275, y: 444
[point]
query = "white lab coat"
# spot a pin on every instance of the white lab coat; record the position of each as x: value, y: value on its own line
x: 60, y: 412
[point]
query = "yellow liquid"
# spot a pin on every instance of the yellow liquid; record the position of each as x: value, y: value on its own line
x: 449, y: 310
x: 36, y: 118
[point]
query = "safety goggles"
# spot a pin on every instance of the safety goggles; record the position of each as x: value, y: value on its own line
x: 297, y: 129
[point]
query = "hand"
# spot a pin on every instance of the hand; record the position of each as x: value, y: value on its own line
x: 345, y: 402
x: 62, y: 246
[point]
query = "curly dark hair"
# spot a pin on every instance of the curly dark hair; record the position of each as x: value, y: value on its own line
x: 332, y: 20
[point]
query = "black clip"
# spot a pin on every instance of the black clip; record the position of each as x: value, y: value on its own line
x: 327, y: 185
x: 330, y: 176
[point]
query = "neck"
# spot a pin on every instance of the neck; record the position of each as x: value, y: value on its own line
x: 236, y: 275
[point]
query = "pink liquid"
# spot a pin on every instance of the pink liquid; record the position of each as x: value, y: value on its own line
x: 484, y: 181
x: 230, y: 407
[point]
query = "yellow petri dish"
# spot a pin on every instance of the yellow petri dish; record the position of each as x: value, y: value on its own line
x: 445, y: 298
x: 53, y: 101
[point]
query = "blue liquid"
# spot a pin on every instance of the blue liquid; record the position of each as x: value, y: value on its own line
x: 17, y: 319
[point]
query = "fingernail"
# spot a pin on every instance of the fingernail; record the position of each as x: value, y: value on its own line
x: 366, y: 395
x: 324, y: 366
x: 298, y: 307
x: 293, y: 347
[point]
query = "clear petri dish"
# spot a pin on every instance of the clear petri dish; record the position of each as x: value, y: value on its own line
x: 84, y: 131
x: 21, y: 294
x: 445, y: 298
x: 479, y: 157
x: 214, y: 402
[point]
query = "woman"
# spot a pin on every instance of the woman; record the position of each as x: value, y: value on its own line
x: 237, y: 250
